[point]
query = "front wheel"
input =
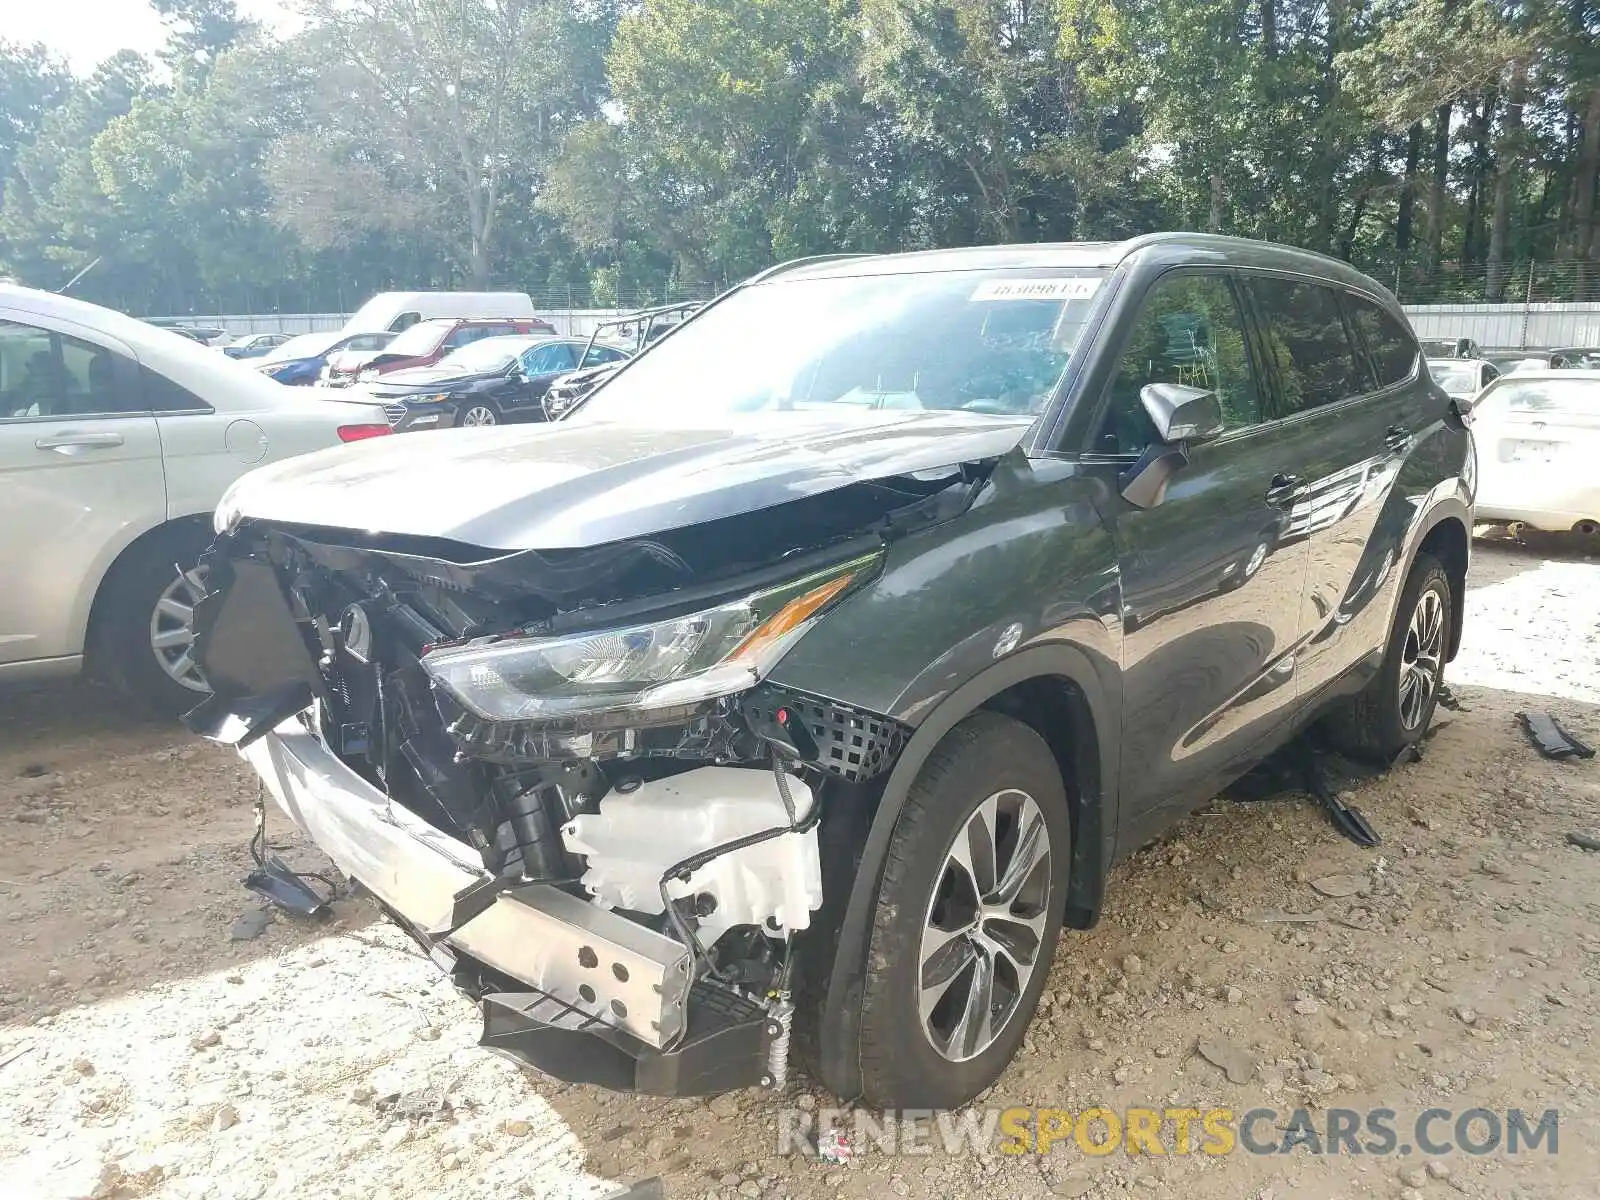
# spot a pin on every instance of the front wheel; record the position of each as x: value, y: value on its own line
x: 1394, y: 710
x: 968, y: 913
x: 478, y: 412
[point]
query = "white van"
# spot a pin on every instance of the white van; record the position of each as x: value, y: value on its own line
x: 395, y: 311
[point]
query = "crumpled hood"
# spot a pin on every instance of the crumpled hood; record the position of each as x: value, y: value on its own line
x: 586, y: 483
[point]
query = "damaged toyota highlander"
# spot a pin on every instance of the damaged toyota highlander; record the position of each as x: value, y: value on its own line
x: 780, y: 705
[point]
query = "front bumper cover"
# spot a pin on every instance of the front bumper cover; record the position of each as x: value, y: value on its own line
x: 568, y: 987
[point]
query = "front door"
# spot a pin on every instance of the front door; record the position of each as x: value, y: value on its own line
x: 542, y: 366
x: 1211, y: 582
x: 80, y: 477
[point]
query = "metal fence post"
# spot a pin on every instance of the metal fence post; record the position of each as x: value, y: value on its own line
x: 1527, y: 306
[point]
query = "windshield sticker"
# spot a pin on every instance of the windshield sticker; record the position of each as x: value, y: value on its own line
x: 1073, y: 288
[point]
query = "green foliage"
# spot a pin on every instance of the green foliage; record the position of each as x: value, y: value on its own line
x: 625, y: 150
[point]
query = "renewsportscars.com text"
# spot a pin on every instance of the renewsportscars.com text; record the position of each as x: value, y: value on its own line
x: 1099, y: 1131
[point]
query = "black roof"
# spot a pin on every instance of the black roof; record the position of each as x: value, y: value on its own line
x: 1169, y: 248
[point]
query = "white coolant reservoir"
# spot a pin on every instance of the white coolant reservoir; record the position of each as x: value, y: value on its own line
x: 637, y: 835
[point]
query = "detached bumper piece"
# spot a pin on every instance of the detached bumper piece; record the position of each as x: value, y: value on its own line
x: 725, y: 1048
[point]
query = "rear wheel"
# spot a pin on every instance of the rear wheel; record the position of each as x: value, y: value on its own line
x: 145, y: 621
x: 969, y: 910
x: 1396, y: 707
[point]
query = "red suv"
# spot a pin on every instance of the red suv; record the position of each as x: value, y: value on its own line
x: 426, y: 342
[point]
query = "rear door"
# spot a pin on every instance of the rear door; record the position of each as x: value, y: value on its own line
x: 1348, y: 379
x: 80, y: 477
x: 1211, y: 585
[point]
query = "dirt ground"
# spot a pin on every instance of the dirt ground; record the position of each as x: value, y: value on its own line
x: 149, y: 1047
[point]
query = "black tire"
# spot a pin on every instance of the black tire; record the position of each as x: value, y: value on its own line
x: 122, y: 650
x: 982, y: 756
x: 1372, y: 724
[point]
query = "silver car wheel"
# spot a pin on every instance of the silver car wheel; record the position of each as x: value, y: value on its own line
x: 479, y: 414
x: 172, y: 629
x: 985, y: 925
x: 1258, y: 557
x: 1420, y: 658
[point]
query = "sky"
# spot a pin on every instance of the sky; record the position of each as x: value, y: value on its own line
x: 85, y: 32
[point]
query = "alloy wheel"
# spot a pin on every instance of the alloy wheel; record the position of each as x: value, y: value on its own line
x: 172, y: 629
x: 479, y: 414
x: 1421, y: 658
x: 985, y: 925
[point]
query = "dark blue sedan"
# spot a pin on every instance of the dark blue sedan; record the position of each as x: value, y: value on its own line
x: 299, y: 360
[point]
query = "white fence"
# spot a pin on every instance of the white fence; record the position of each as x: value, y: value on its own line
x: 573, y: 322
x: 1499, y: 326
x: 1510, y: 326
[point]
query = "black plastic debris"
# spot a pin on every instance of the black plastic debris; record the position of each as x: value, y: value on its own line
x: 1346, y: 818
x: 1304, y: 765
x: 274, y: 880
x: 1447, y: 699
x: 277, y: 882
x: 1550, y: 739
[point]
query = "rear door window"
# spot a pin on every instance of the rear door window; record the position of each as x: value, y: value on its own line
x: 1389, y: 343
x: 1307, y: 345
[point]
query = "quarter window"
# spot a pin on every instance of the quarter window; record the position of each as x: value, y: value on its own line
x: 1308, y: 344
x: 49, y: 374
x: 1189, y: 331
x: 601, y: 354
x: 1389, y: 343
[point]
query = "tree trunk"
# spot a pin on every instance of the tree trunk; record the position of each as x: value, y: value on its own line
x: 1269, y: 28
x: 1436, y: 189
x: 1588, y: 165
x: 1509, y: 157
x: 1214, y: 218
x: 1472, y: 237
x: 1406, y: 217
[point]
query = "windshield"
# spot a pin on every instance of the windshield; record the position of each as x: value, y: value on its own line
x: 1455, y: 378
x: 1544, y: 399
x: 979, y: 341
x: 421, y: 338
x: 307, y: 345
x: 491, y: 354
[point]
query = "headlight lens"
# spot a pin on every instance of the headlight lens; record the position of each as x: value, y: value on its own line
x: 661, y: 664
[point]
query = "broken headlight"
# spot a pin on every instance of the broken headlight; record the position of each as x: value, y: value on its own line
x: 670, y: 663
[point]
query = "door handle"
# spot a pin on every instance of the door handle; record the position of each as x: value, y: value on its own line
x: 67, y: 443
x: 1284, y: 489
x: 1396, y: 438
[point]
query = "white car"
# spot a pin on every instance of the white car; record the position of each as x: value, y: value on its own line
x: 1464, y: 377
x: 1538, y: 436
x: 117, y: 440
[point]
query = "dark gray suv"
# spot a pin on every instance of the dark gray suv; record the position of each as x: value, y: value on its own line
x: 786, y: 699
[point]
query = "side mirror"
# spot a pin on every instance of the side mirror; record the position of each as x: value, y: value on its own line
x: 1182, y: 416
x: 1181, y: 413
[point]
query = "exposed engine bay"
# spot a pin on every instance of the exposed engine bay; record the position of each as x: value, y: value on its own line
x: 594, y: 724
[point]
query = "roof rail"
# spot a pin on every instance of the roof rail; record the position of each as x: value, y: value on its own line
x: 793, y: 263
